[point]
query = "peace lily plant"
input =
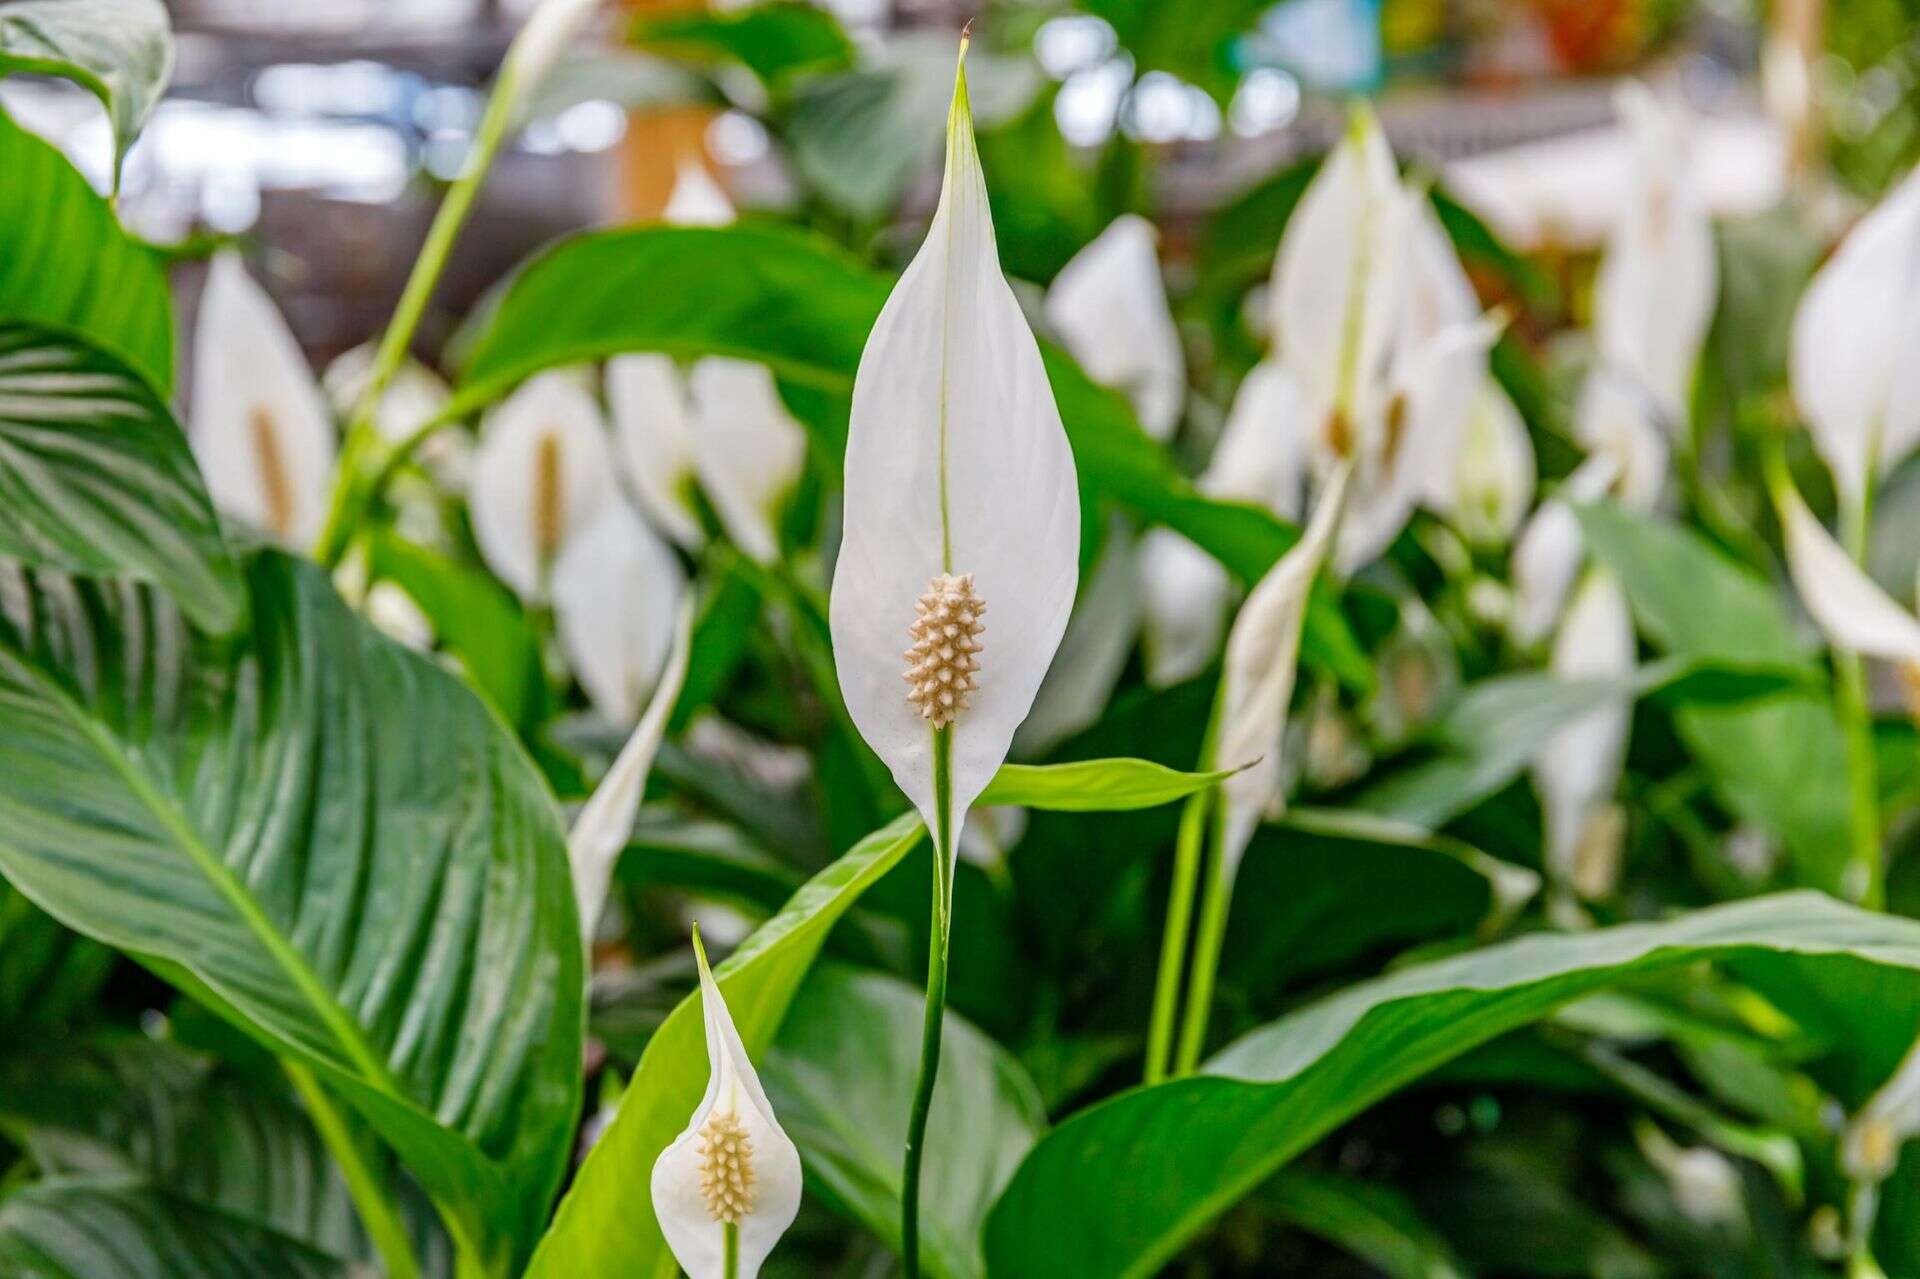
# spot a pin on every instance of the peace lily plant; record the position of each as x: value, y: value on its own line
x: 380, y: 755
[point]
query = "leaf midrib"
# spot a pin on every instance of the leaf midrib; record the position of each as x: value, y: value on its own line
x: 176, y: 825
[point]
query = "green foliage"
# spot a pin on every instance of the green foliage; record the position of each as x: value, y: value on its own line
x: 121, y: 51
x: 776, y: 41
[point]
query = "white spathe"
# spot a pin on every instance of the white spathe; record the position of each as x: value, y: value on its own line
x: 696, y: 199
x: 747, y: 450
x: 545, y: 35
x: 654, y: 430
x: 1109, y: 306
x: 1484, y: 486
x: 1850, y: 608
x: 542, y: 473
x: 1184, y: 594
x: 601, y: 830
x: 1618, y: 419
x: 1256, y: 682
x: 413, y: 397
x: 1855, y: 332
x: 1658, y: 280
x: 260, y: 428
x: 1093, y: 652
x: 1549, y: 551
x: 616, y: 586
x: 956, y: 462
x: 1262, y: 453
x: 1579, y: 766
x: 734, y: 1101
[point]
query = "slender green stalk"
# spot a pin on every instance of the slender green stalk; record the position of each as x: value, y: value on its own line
x: 1864, y: 880
x: 1214, y: 904
x: 936, y: 1004
x: 364, y: 1185
x: 1173, y: 941
x: 730, y: 1250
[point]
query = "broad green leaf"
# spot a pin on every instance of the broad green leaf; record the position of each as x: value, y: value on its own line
x: 802, y: 308
x: 120, y: 51
x: 777, y: 40
x: 1780, y: 763
x: 48, y: 973
x: 1094, y: 785
x: 1119, y: 1188
x: 93, y: 1227
x: 605, y: 1224
x: 327, y: 838
x: 1374, y: 1222
x: 68, y: 264
x: 840, y: 1077
x: 96, y: 478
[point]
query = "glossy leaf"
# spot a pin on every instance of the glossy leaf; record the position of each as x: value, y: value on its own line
x: 68, y: 264
x: 841, y: 1077
x: 1119, y: 1188
x: 605, y: 1225
x: 48, y: 973
x: 96, y: 477
x: 1373, y: 1222
x: 1095, y: 785
x: 120, y: 51
x: 776, y: 40
x: 325, y: 837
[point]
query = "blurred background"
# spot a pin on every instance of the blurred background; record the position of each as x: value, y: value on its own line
x: 319, y: 130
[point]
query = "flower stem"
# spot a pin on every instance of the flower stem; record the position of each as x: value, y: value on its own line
x: 936, y: 1003
x: 364, y: 1186
x: 730, y: 1250
x: 1863, y: 880
x: 1214, y: 902
x: 1173, y: 942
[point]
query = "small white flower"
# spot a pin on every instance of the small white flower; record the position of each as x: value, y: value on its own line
x: 1618, y: 419
x: 1184, y: 595
x: 616, y: 586
x: 732, y: 1169
x: 960, y: 553
x: 1549, y: 551
x: 747, y: 450
x: 1854, y: 335
x: 1485, y: 486
x: 1579, y: 767
x: 1109, y: 307
x: 393, y: 611
x: 542, y: 473
x: 413, y: 397
x: 696, y: 199
x: 654, y: 429
x: 1262, y: 453
x: 260, y: 427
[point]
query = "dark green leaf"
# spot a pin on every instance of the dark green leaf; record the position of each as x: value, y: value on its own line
x: 96, y: 478
x: 121, y: 51
x: 1117, y: 1189
x: 325, y: 837
x: 1373, y: 1222
x: 48, y: 972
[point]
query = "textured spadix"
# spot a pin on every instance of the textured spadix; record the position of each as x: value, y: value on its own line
x: 543, y: 472
x: 956, y: 464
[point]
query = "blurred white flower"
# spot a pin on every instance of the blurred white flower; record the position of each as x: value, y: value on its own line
x: 960, y: 500
x: 1109, y: 307
x: 1655, y: 293
x: 1852, y: 361
x: 1184, y: 593
x: 654, y: 430
x: 545, y: 35
x: 1870, y: 1147
x: 1579, y: 766
x: 1094, y: 651
x: 414, y: 397
x: 542, y: 473
x: 393, y: 611
x: 616, y: 587
x: 1549, y: 551
x: 696, y: 199
x: 747, y: 450
x: 733, y: 1170
x: 1484, y: 484
x: 1706, y: 1186
x: 259, y: 425
x: 1617, y: 419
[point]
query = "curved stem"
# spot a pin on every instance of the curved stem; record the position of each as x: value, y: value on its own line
x: 1206, y: 949
x: 364, y: 1185
x: 1173, y: 941
x: 936, y: 1004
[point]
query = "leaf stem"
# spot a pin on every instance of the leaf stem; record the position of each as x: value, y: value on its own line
x: 1214, y: 903
x: 1862, y: 880
x: 936, y: 1003
x: 365, y: 1186
x: 1173, y: 941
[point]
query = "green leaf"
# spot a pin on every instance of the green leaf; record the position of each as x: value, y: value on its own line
x: 1191, y: 41
x: 1117, y: 1189
x: 840, y: 1077
x: 1374, y: 1222
x: 96, y: 478
x: 777, y: 41
x: 1780, y: 763
x: 68, y: 264
x: 605, y: 1225
x: 48, y: 973
x: 801, y: 307
x: 120, y: 51
x: 325, y: 837
x: 1095, y: 785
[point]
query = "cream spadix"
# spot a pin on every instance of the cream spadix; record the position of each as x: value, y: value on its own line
x: 260, y: 426
x: 960, y: 553
x: 732, y: 1170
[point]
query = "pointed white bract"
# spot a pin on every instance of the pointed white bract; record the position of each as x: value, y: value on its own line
x: 1858, y: 324
x: 1850, y: 608
x: 604, y: 824
x: 1549, y: 551
x: 654, y: 430
x: 957, y: 463
x: 1485, y: 485
x: 616, y: 586
x: 747, y: 450
x: 732, y: 1165
x: 1184, y: 594
x: 542, y: 473
x: 1655, y: 292
x: 545, y: 35
x: 260, y: 428
x: 1579, y: 767
x: 696, y: 199
x: 1617, y: 419
x: 1256, y: 683
x: 1109, y: 307
x: 1262, y: 453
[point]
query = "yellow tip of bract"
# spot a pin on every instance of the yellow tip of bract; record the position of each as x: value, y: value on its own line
x: 1361, y: 120
x: 700, y: 953
x: 962, y: 110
